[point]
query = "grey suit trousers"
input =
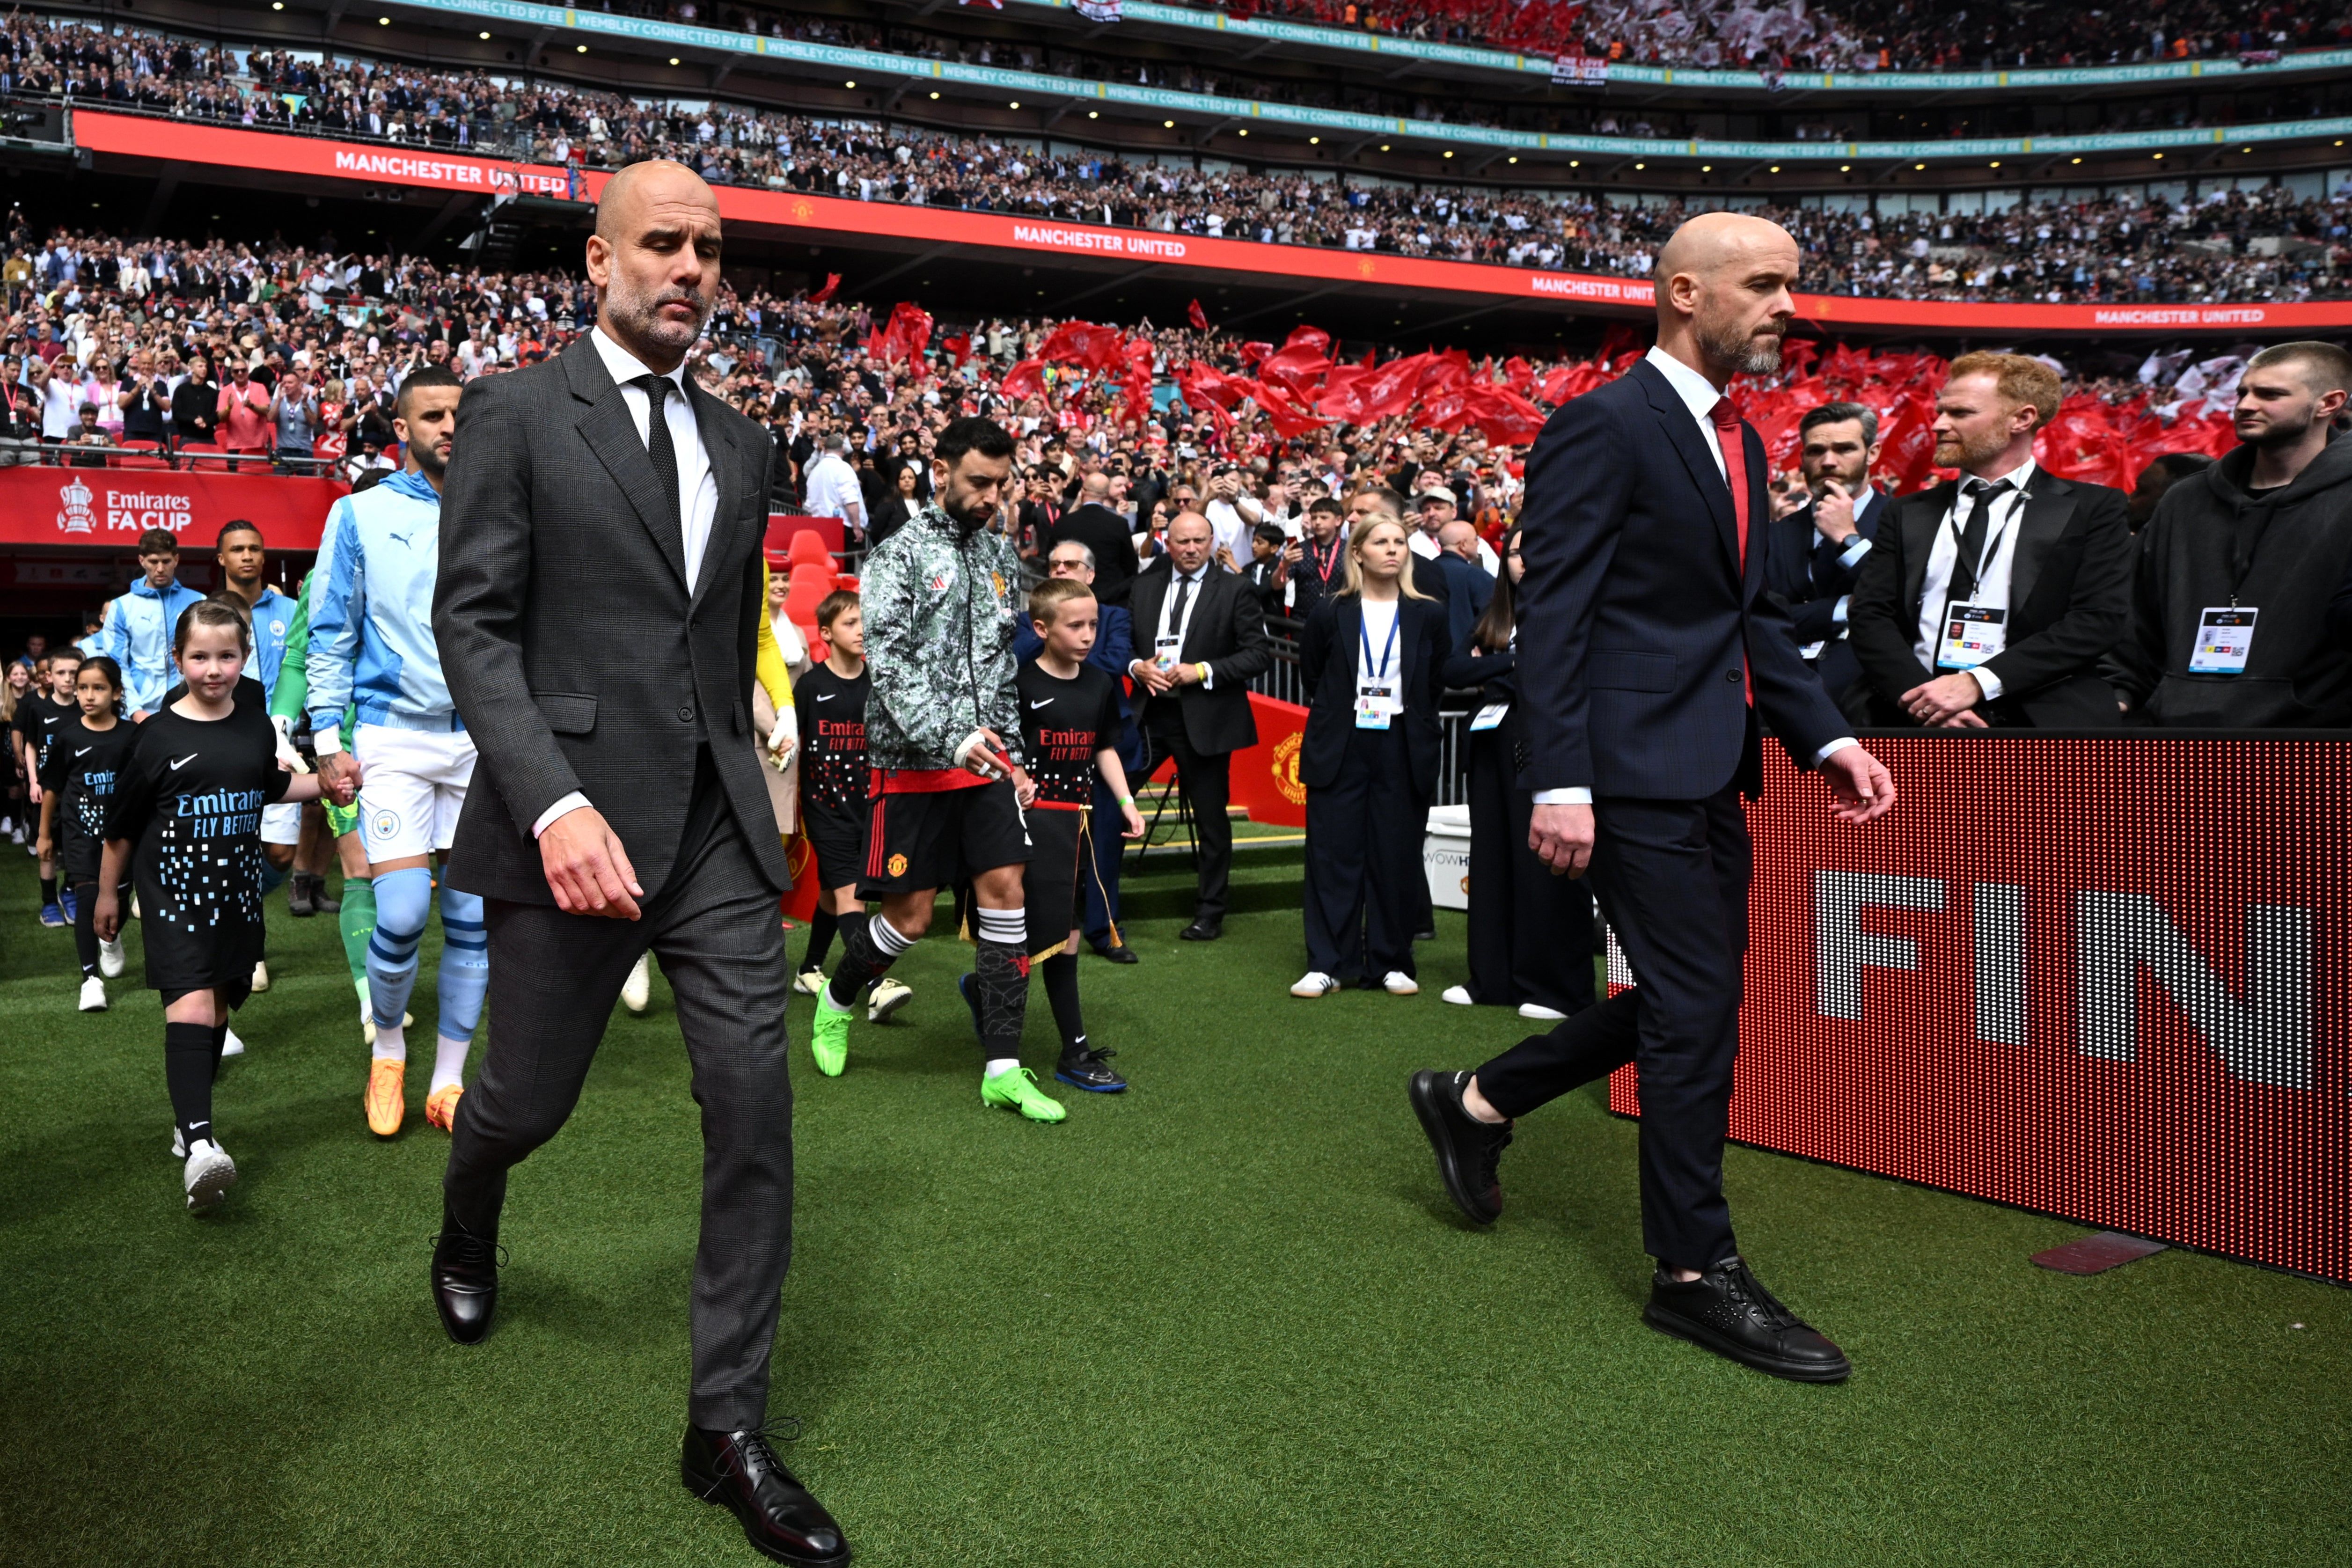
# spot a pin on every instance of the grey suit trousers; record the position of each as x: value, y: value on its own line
x: 553, y: 980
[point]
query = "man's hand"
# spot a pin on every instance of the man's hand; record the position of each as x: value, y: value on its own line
x: 1184, y: 674
x: 1561, y: 837
x: 979, y: 752
x: 1943, y: 698
x: 1833, y: 513
x: 339, y: 775
x: 1788, y: 496
x: 783, y: 742
x: 1153, y: 678
x: 587, y: 868
x: 1968, y: 720
x: 1864, y: 787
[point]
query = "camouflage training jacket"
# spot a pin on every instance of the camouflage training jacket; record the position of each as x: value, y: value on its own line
x: 939, y: 604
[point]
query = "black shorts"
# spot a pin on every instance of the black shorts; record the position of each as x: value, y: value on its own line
x: 936, y: 838
x: 78, y: 859
x: 1049, y: 883
x: 838, y: 840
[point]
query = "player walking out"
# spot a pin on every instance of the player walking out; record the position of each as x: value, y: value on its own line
x: 942, y: 738
x: 830, y: 702
x: 77, y: 790
x: 190, y: 795
x: 372, y: 644
x: 1070, y: 726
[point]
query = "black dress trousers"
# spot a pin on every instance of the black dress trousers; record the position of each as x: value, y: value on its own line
x: 1530, y: 931
x: 1364, y: 868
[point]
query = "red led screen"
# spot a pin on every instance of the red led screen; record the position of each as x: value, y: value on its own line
x: 2103, y: 979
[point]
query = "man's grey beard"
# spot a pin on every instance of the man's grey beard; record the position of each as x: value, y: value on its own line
x: 1744, y: 354
x: 643, y: 318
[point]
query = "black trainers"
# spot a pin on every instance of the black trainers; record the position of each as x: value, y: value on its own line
x: 1468, y: 1149
x: 297, y: 896
x: 1728, y: 1310
x: 1089, y: 1069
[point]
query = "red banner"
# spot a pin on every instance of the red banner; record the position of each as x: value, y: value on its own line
x: 1265, y: 777
x: 84, y: 507
x: 812, y: 216
x: 2113, y: 988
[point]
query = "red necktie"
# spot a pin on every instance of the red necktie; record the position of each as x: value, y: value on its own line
x: 1735, y: 467
x: 1729, y: 437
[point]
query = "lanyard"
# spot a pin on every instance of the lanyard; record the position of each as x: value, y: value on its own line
x: 1324, y: 560
x: 1364, y: 632
x: 2018, y: 498
x: 1170, y: 627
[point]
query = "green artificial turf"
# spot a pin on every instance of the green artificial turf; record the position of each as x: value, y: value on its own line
x: 1227, y: 1318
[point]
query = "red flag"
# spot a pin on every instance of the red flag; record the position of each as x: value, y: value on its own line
x: 1082, y: 343
x: 1197, y: 316
x: 832, y: 282
x: 907, y: 335
x: 1025, y: 380
x: 956, y: 348
x: 1252, y: 352
x: 1502, y: 416
x: 1314, y: 338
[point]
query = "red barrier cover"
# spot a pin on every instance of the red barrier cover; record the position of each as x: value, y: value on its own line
x: 1265, y: 777
x: 2101, y: 979
x: 84, y: 507
x: 181, y: 141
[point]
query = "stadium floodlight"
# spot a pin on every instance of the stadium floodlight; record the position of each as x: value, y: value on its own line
x: 849, y: 84
x: 485, y: 37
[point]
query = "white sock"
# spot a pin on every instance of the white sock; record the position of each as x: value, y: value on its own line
x: 448, y: 1061
x: 392, y: 1042
x: 999, y: 1063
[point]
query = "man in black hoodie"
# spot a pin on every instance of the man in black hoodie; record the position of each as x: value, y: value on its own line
x: 2231, y: 624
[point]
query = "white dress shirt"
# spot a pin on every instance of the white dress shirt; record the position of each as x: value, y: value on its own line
x: 1992, y: 582
x: 1199, y: 581
x: 833, y: 489
x: 1699, y: 396
x: 697, y: 486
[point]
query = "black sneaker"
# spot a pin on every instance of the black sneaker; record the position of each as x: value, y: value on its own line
x: 1468, y: 1149
x: 1089, y: 1069
x: 1728, y: 1310
x: 298, y: 897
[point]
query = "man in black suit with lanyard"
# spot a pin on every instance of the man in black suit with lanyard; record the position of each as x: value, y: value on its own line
x: 1644, y: 541
x: 598, y: 609
x: 1818, y: 547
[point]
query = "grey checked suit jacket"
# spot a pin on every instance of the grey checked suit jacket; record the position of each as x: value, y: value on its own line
x: 577, y: 658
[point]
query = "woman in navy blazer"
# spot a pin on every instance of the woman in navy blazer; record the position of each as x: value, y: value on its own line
x: 1530, y: 930
x: 1369, y: 764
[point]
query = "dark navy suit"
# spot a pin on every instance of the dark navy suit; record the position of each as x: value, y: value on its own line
x: 1810, y: 577
x: 1649, y: 633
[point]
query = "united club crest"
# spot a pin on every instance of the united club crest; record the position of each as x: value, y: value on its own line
x: 74, y: 515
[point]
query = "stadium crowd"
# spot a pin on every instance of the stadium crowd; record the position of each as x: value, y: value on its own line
x: 2227, y: 245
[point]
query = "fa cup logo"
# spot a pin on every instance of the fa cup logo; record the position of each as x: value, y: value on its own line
x: 74, y: 515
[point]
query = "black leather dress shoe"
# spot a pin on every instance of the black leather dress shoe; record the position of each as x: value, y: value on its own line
x: 738, y: 1470
x: 1728, y: 1310
x: 465, y: 1284
x: 1203, y: 929
x: 1119, y: 952
x: 1467, y: 1149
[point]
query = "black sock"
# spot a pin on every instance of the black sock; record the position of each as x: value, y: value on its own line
x: 822, y: 925
x: 1000, y: 974
x: 188, y: 1061
x: 863, y: 962
x: 1061, y: 976
x: 220, y: 1042
x: 86, y: 927
x: 48, y: 890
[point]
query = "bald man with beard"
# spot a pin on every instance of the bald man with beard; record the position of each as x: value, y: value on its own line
x: 1645, y: 534
x: 597, y: 612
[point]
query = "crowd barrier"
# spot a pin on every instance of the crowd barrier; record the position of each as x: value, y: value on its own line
x: 2098, y: 976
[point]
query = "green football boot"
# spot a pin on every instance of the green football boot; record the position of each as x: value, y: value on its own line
x: 1017, y: 1088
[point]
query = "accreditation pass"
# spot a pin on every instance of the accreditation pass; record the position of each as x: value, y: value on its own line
x: 1973, y: 634
x: 2225, y: 637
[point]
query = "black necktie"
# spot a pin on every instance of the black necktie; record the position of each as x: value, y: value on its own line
x: 659, y: 447
x: 1176, y: 616
x: 1972, y: 537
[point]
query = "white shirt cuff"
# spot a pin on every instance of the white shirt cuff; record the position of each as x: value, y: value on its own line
x: 327, y: 741
x: 1575, y: 795
x: 1832, y: 749
x: 1988, y: 680
x: 1851, y: 557
x: 564, y: 807
x: 1208, y: 675
x: 1837, y: 611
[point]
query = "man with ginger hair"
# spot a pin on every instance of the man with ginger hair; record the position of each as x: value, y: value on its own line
x: 1990, y: 601
x: 1644, y: 532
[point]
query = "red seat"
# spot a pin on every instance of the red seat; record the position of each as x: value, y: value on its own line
x: 142, y: 455
x: 202, y: 455
x: 808, y: 550
x: 820, y: 577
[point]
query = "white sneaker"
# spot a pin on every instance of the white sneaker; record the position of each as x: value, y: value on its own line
x: 1314, y: 983
x: 637, y: 990
x: 260, y: 976
x: 110, y: 959
x: 1457, y: 994
x: 179, y: 1144
x: 1538, y: 1011
x: 208, y: 1174
x: 232, y: 1046
x: 809, y: 982
x: 93, y: 994
x: 1397, y: 982
x: 134, y: 906
x: 889, y: 996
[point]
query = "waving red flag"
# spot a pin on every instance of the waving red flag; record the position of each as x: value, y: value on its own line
x: 1082, y: 343
x: 832, y: 282
x: 1197, y: 316
x: 1026, y: 379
